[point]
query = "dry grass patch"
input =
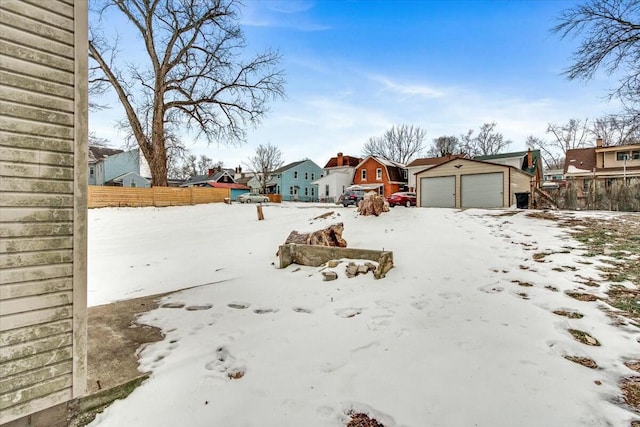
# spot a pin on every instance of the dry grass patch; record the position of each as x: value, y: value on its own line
x: 584, y: 361
x: 569, y: 314
x: 552, y: 288
x: 521, y: 283
x: 634, y: 365
x: 581, y: 296
x: 362, y: 420
x: 583, y: 337
x: 630, y: 388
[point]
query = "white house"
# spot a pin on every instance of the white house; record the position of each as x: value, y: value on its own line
x: 337, y: 176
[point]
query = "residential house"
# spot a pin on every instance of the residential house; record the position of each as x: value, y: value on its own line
x: 552, y: 178
x: 338, y: 175
x: 470, y: 183
x: 425, y: 163
x: 383, y: 176
x: 118, y: 168
x: 218, y: 178
x: 295, y: 181
x: 528, y: 161
x: 607, y: 165
x: 43, y: 200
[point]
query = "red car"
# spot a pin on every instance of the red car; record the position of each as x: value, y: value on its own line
x: 402, y: 198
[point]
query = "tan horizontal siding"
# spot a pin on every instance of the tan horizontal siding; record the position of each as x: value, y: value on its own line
x: 21, y: 335
x: 36, y: 85
x: 17, y: 124
x: 33, y: 377
x: 28, y: 259
x: 36, y: 229
x: 26, y: 112
x: 23, y: 170
x: 34, y: 347
x: 29, y: 244
x: 53, y: 14
x: 13, y: 18
x: 13, y: 214
x: 37, y: 390
x: 27, y: 274
x: 31, y: 185
x: 36, y: 156
x: 22, y: 67
x: 24, y: 409
x: 34, y: 56
x: 35, y: 317
x: 35, y: 99
x: 16, y: 31
x: 18, y: 366
x: 36, y: 200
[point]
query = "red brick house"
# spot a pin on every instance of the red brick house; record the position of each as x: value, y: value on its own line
x: 380, y: 175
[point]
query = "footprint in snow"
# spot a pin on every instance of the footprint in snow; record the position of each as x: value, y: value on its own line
x: 265, y: 310
x: 302, y: 310
x: 348, y: 312
x: 239, y: 305
x: 198, y: 307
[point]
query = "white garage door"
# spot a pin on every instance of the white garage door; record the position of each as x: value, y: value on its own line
x: 482, y: 190
x: 438, y: 192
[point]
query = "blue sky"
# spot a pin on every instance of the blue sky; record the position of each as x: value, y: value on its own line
x: 356, y: 68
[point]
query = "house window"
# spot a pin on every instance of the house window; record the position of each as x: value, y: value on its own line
x: 404, y: 173
x: 306, y: 191
x: 290, y: 190
x: 326, y: 190
x: 295, y: 174
x: 379, y: 174
x: 91, y: 171
x: 313, y: 176
x: 306, y: 175
x: 381, y: 190
x: 313, y: 191
x: 133, y: 184
x: 586, y: 183
x: 363, y: 174
x: 622, y: 155
x: 635, y: 155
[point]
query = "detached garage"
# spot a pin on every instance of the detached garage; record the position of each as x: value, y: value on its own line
x: 466, y: 183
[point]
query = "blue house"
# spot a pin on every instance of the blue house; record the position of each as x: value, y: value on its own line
x: 118, y: 168
x: 294, y: 182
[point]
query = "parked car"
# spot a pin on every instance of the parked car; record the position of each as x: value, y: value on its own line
x: 403, y: 198
x: 252, y: 198
x: 352, y: 197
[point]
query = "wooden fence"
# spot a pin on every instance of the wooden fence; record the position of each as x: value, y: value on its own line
x: 100, y: 197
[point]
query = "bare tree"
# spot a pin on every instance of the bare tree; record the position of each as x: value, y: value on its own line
x: 191, y: 76
x: 399, y: 144
x: 267, y: 159
x: 486, y: 143
x: 611, y: 30
x: 551, y: 158
x: 568, y: 136
x: 192, y: 166
x: 617, y: 129
x: 444, y: 145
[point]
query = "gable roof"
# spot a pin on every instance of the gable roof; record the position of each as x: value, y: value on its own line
x: 432, y: 161
x: 535, y: 161
x: 464, y: 159
x: 98, y: 153
x: 580, y: 160
x: 288, y: 166
x: 394, y: 170
x: 346, y: 161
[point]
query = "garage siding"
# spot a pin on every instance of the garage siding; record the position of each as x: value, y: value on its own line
x: 43, y: 162
x: 514, y: 180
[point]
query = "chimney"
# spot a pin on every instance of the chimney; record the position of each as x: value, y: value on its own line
x: 599, y: 142
x: 240, y: 169
x: 340, y: 159
x: 529, y: 159
x: 211, y: 172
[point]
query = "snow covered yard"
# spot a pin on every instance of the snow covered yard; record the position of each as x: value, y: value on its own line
x: 461, y: 332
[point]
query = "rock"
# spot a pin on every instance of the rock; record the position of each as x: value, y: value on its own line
x: 352, y: 269
x: 328, y: 276
x: 363, y: 269
x: 333, y: 263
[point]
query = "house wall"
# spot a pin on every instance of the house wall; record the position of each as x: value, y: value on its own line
x: 514, y: 181
x: 608, y: 159
x: 43, y: 191
x: 121, y: 163
x: 338, y: 179
x: 135, y: 180
x: 307, y: 192
x: 411, y: 177
x: 371, y: 166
